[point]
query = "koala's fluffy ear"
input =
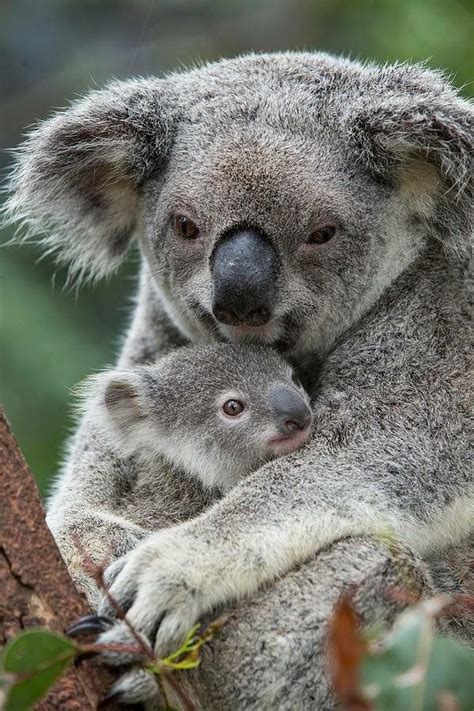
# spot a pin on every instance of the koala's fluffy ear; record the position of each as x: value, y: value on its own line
x: 121, y: 399
x: 425, y: 145
x: 77, y: 178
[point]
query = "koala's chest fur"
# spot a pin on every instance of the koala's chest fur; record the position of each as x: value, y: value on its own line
x: 163, y: 496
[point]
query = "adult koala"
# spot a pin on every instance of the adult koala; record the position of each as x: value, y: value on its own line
x: 324, y: 208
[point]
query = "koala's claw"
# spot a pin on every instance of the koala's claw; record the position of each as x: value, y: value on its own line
x: 89, y: 623
x: 112, y: 697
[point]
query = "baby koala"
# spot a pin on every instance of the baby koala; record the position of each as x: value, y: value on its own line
x: 217, y: 412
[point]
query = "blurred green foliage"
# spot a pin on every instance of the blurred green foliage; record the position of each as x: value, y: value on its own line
x: 50, y: 338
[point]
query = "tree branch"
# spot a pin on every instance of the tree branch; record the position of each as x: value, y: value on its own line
x: 36, y: 587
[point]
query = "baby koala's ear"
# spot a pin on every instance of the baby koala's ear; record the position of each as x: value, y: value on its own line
x: 123, y: 402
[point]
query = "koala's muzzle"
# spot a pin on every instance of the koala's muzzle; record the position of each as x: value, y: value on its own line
x: 245, y: 268
x: 291, y: 410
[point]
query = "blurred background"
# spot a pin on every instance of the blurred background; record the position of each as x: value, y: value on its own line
x: 52, y: 50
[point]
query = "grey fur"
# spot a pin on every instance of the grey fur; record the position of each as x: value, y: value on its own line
x: 286, y: 142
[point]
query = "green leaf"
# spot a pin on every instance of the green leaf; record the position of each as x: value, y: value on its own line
x: 451, y: 667
x: 35, y: 659
x: 416, y: 666
x: 188, y: 655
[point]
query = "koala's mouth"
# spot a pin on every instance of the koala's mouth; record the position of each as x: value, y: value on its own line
x: 281, y: 332
x: 268, y: 334
x: 285, y: 445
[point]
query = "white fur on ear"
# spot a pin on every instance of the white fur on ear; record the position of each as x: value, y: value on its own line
x: 76, y: 180
x: 420, y: 185
x: 425, y: 146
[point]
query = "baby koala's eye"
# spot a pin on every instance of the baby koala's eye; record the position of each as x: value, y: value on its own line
x: 232, y: 408
x: 322, y: 234
x: 185, y: 227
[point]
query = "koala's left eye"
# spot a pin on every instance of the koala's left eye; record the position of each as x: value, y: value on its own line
x: 322, y: 234
x: 232, y: 408
x: 185, y: 227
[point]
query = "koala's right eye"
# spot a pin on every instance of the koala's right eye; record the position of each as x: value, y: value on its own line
x: 184, y: 227
x: 232, y: 408
x: 322, y: 234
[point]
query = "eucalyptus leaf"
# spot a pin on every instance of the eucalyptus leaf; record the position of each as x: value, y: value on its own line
x: 416, y: 666
x: 35, y: 658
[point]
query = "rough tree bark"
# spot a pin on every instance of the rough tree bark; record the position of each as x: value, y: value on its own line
x: 36, y: 589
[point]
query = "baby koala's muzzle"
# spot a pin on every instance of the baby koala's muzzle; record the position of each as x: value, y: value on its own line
x: 291, y: 410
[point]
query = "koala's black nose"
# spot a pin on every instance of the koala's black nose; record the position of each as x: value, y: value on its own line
x: 291, y: 410
x: 245, y: 268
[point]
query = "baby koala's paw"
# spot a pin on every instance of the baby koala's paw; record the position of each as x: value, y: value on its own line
x: 164, y: 585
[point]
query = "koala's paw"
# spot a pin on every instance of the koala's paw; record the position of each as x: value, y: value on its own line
x: 164, y: 586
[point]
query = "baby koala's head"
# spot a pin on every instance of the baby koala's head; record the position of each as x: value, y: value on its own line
x: 218, y: 412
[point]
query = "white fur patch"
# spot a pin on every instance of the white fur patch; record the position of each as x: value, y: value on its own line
x: 419, y: 183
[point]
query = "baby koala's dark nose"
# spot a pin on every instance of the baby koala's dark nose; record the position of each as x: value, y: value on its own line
x: 291, y: 410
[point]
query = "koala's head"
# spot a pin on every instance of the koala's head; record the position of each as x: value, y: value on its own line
x: 274, y: 197
x: 218, y: 412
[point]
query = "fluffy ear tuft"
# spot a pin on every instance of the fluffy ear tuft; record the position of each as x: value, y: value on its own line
x: 77, y: 176
x: 425, y: 146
